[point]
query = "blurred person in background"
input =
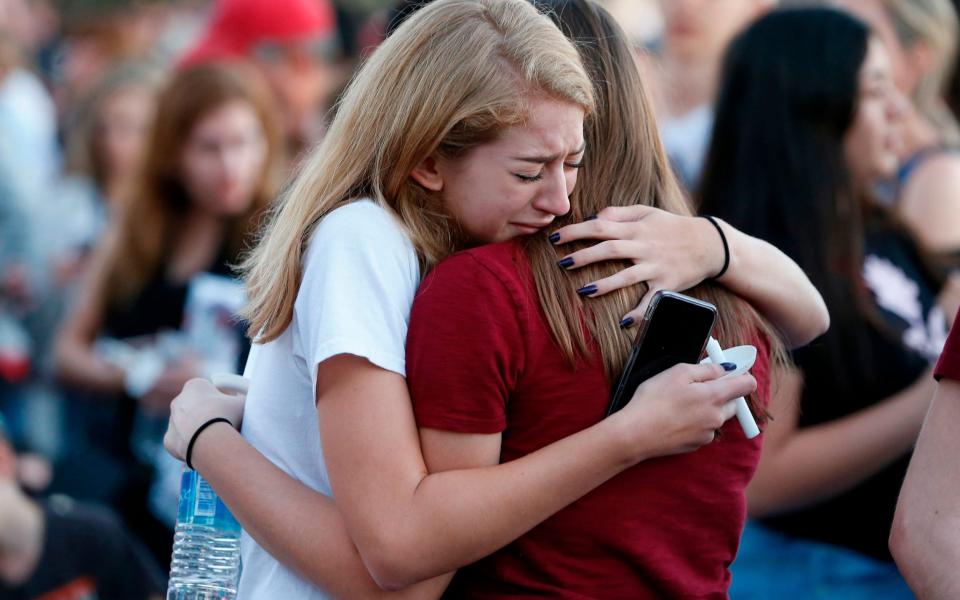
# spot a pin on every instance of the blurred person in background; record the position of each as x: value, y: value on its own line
x: 921, y: 38
x: 29, y: 161
x: 210, y: 167
x: 293, y: 43
x: 925, y: 539
x: 808, y: 120
x: 105, y: 142
x: 684, y: 70
x: 56, y: 548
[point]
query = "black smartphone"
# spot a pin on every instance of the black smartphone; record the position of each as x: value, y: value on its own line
x: 674, y: 330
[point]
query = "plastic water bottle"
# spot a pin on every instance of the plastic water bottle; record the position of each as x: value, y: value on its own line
x: 206, y: 542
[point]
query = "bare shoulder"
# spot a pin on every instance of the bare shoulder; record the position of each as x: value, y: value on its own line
x: 930, y: 201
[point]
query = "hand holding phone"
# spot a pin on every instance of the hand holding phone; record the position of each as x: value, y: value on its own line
x: 674, y: 330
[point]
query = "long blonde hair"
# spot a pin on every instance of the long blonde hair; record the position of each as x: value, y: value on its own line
x: 625, y: 164
x: 450, y: 78
x: 933, y: 23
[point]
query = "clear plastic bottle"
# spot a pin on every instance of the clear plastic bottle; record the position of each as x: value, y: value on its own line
x: 206, y: 542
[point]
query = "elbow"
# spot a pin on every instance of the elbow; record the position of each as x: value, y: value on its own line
x: 902, y: 541
x: 392, y: 564
x: 815, y: 324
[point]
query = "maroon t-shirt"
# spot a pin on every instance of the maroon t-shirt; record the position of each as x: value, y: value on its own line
x: 949, y: 364
x: 481, y: 359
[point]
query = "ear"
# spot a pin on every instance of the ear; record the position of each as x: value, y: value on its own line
x: 427, y: 174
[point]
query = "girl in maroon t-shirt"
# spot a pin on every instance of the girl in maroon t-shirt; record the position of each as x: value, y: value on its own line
x: 506, y: 355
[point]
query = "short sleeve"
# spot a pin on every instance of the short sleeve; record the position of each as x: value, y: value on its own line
x: 949, y: 364
x: 465, y: 348
x: 360, y: 276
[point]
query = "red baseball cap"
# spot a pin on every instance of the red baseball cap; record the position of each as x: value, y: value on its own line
x: 236, y: 26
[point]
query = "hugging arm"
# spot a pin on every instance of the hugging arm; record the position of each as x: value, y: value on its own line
x: 676, y: 252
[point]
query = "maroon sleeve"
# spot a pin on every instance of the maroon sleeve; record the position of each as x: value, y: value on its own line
x: 949, y: 364
x: 464, y: 347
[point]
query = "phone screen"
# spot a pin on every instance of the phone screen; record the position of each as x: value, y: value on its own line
x: 675, y: 331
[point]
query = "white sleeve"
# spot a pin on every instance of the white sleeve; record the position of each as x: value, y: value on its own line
x: 359, y: 280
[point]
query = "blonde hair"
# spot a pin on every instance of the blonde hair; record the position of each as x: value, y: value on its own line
x: 934, y: 23
x: 448, y: 79
x: 625, y: 164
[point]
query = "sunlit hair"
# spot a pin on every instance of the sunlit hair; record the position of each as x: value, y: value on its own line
x: 450, y: 78
x: 84, y: 151
x: 625, y: 164
x: 934, y: 24
x: 149, y: 218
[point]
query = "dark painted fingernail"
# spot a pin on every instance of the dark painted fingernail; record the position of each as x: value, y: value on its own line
x: 591, y: 218
x: 627, y: 322
x: 565, y: 263
x: 728, y: 366
x: 554, y: 238
x: 587, y: 290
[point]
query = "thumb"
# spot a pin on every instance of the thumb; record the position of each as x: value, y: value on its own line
x: 634, y: 212
x: 706, y: 372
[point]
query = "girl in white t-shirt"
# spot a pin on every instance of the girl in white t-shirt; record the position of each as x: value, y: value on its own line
x: 464, y: 127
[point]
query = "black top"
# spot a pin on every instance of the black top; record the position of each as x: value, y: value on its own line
x: 87, y: 554
x: 911, y: 332
x: 159, y: 305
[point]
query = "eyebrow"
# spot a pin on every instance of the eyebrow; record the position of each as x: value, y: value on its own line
x: 551, y: 158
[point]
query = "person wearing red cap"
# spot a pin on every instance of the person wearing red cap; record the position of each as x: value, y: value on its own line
x: 291, y: 41
x: 924, y: 540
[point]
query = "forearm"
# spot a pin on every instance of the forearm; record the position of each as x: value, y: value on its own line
x: 819, y: 462
x: 453, y: 518
x: 774, y: 284
x: 924, y: 539
x: 78, y: 367
x: 297, y: 525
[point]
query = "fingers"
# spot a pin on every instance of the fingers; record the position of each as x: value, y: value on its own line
x: 729, y: 388
x: 634, y: 212
x: 728, y: 411
x: 701, y: 373
x: 626, y: 277
x: 591, y: 230
x: 636, y: 315
x: 615, y: 249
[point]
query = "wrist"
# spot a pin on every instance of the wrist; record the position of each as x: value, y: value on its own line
x: 204, y: 431
x: 712, y: 256
x: 628, y: 439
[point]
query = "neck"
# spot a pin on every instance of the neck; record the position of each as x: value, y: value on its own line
x: 918, y: 133
x: 198, y: 243
x: 690, y: 84
x: 21, y: 534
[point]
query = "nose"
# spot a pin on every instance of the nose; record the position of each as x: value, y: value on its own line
x: 555, y: 196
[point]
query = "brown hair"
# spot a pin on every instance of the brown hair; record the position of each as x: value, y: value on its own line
x: 451, y: 77
x: 625, y: 164
x: 84, y: 154
x: 149, y: 218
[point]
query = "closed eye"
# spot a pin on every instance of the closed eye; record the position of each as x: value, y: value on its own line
x: 529, y: 178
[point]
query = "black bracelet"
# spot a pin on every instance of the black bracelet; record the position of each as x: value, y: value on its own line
x: 197, y: 433
x: 726, y: 248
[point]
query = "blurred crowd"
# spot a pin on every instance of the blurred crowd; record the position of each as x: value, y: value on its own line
x: 142, y: 142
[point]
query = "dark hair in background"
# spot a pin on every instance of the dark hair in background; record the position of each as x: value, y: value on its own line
x: 625, y: 164
x: 776, y: 168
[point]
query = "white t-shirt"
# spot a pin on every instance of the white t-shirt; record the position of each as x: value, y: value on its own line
x: 359, y: 277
